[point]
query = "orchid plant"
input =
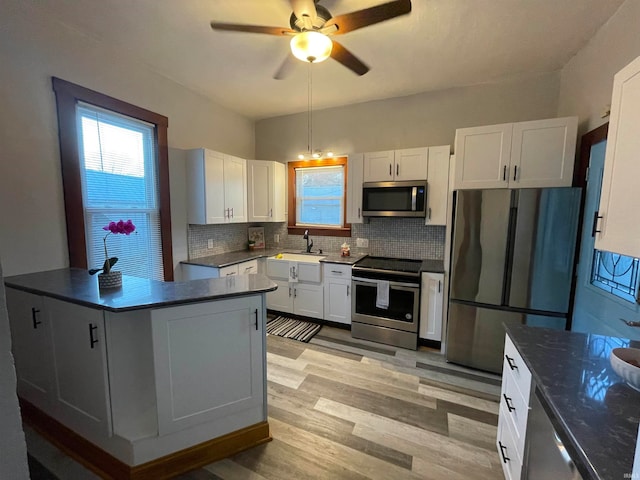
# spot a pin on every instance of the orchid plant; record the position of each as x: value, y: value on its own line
x: 113, y: 228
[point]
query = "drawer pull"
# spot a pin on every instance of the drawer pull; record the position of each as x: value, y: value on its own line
x: 507, y: 401
x: 511, y: 362
x: 505, y: 459
x: 337, y: 272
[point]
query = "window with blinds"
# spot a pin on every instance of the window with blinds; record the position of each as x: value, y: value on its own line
x: 120, y: 182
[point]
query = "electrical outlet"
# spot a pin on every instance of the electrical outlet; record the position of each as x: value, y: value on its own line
x: 276, y: 238
x: 210, y: 243
x: 362, y: 242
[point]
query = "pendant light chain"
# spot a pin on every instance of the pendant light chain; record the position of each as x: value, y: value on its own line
x: 310, y: 116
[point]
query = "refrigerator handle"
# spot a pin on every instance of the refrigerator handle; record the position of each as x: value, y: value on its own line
x: 511, y: 241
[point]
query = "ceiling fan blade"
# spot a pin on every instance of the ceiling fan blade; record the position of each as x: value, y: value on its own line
x: 302, y: 8
x: 234, y: 27
x: 369, y: 16
x: 286, y: 67
x: 348, y: 59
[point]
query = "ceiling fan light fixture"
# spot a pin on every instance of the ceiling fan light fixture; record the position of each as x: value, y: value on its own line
x: 310, y: 46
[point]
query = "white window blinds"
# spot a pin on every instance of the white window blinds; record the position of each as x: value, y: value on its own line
x: 120, y: 182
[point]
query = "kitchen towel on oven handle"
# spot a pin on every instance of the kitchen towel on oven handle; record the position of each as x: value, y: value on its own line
x: 382, y: 294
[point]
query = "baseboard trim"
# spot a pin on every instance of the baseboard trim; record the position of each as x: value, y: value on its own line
x: 109, y: 467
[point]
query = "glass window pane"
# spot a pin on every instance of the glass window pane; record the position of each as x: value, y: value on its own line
x: 616, y: 274
x: 319, y: 196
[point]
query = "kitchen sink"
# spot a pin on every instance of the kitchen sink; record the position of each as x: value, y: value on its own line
x: 303, y: 267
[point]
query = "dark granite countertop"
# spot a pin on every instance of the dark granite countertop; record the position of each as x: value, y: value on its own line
x: 231, y: 258
x: 594, y: 411
x: 77, y: 286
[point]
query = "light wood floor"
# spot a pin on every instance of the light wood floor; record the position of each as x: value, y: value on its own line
x: 341, y: 408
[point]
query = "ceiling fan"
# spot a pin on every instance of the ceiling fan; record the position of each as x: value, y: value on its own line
x: 311, y: 25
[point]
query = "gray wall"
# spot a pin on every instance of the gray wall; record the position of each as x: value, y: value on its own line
x: 34, y: 47
x: 425, y: 119
x: 13, y: 450
x: 586, y: 81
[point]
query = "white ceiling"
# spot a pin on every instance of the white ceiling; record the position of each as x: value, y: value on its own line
x: 441, y: 44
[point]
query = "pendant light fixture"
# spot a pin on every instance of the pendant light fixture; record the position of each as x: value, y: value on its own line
x: 311, y: 153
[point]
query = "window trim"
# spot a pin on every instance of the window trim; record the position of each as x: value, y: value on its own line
x: 292, y: 228
x: 67, y: 95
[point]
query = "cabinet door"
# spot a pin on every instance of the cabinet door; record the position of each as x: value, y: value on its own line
x: 355, y: 176
x: 199, y: 380
x: 81, y: 378
x: 411, y: 164
x: 379, y: 166
x: 31, y: 345
x: 281, y: 299
x: 438, y: 185
x: 482, y: 157
x: 308, y: 300
x: 235, y: 188
x: 279, y: 204
x: 259, y: 190
x: 337, y: 300
x: 543, y: 152
x: 205, y: 188
x: 431, y: 306
x: 619, y: 203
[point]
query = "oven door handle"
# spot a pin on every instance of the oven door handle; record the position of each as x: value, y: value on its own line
x: 397, y: 285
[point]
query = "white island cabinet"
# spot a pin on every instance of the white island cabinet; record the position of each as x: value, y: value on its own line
x: 145, y: 381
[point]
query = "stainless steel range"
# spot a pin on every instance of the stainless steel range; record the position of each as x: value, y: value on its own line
x: 385, y: 304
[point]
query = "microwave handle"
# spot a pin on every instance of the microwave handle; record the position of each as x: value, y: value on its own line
x: 414, y: 197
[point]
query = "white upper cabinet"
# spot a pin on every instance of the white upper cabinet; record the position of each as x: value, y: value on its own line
x: 265, y: 191
x: 619, y: 227
x: 538, y: 153
x: 355, y: 174
x: 438, y: 185
x: 398, y: 165
x: 216, y: 187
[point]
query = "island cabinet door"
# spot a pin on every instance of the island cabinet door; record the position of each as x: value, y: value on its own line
x: 209, y: 362
x: 31, y: 345
x: 81, y: 379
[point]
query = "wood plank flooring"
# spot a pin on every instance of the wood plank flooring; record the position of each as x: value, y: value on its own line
x: 341, y: 408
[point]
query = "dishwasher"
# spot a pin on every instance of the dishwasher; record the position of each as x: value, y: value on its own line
x: 548, y: 458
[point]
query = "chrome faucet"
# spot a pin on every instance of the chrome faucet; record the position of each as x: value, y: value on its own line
x: 309, y: 241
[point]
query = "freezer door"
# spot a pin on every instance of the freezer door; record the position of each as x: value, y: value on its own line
x: 479, y: 253
x: 543, y: 247
x: 475, y: 336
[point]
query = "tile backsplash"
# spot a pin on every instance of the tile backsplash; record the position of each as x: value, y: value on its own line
x: 391, y: 237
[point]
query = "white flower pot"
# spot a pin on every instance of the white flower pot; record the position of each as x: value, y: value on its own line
x: 110, y: 280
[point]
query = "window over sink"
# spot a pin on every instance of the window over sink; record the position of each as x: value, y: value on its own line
x: 317, y: 197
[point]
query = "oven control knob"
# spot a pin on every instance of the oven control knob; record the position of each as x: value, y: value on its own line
x: 408, y: 316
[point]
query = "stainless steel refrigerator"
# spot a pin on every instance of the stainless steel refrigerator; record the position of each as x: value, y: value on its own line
x: 511, y: 262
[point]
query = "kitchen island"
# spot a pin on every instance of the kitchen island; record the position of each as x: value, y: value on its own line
x: 143, y: 381
x: 594, y: 412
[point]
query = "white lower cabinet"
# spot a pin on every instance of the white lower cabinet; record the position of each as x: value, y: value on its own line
x: 80, y: 359
x: 431, y: 306
x: 281, y: 299
x: 31, y: 332
x: 61, y: 362
x: 337, y: 293
x: 185, y: 363
x: 196, y: 272
x: 308, y: 300
x: 299, y: 289
x: 514, y: 411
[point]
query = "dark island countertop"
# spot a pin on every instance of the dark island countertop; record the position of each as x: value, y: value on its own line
x: 594, y: 411
x: 77, y: 286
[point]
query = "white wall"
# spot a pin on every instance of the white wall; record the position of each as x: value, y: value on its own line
x: 33, y: 48
x: 413, y: 121
x: 13, y: 450
x: 586, y: 81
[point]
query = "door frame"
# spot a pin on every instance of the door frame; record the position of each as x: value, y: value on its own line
x: 587, y: 140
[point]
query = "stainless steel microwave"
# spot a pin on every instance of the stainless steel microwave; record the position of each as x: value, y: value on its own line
x: 394, y: 199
